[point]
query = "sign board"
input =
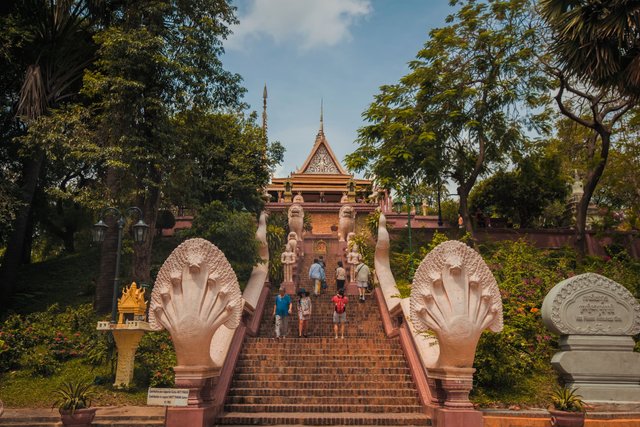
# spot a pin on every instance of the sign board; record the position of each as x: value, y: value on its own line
x: 168, y: 396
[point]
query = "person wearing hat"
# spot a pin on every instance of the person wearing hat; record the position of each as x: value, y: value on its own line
x: 282, y: 310
x: 304, y: 312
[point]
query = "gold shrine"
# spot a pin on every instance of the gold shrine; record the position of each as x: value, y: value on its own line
x: 132, y: 306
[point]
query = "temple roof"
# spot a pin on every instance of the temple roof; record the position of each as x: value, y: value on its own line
x: 322, y: 160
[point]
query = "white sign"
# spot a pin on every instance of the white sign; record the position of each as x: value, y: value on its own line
x: 168, y: 396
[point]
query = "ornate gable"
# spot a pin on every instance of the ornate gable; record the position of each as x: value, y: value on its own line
x: 322, y: 160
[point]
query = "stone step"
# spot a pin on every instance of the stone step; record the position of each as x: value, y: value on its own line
x: 305, y: 358
x: 328, y: 385
x: 332, y: 419
x: 366, y: 341
x: 333, y: 401
x: 337, y: 390
x: 322, y: 370
x: 326, y: 409
x: 319, y: 362
x: 386, y: 378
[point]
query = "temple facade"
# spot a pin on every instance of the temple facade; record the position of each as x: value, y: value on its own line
x: 322, y: 187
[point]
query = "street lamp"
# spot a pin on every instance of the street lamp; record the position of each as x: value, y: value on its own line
x: 398, y: 208
x: 140, y: 233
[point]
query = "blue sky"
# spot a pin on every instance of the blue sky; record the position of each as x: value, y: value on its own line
x: 340, y: 51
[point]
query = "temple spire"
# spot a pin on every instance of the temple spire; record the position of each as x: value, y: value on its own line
x: 321, y: 117
x: 264, y: 114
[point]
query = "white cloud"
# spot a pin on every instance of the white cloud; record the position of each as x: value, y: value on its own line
x: 308, y: 23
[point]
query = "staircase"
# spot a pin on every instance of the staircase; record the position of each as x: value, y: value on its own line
x: 362, y: 379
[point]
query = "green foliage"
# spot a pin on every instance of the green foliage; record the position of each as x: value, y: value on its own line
x: 155, y: 359
x: 166, y: 220
x: 371, y: 222
x: 72, y: 396
x: 39, y: 341
x: 524, y: 347
x: 366, y: 246
x: 522, y: 194
x: 455, y: 114
x: 566, y: 399
x: 276, y: 240
x: 595, y: 41
x: 233, y: 232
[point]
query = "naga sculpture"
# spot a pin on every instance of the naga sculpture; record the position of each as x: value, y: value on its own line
x: 296, y: 220
x: 195, y: 293
x: 455, y: 295
x: 346, y: 221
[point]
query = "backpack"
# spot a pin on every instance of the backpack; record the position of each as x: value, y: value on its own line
x: 340, y: 305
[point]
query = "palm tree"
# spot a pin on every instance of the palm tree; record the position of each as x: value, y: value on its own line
x: 597, y: 41
x: 56, y: 50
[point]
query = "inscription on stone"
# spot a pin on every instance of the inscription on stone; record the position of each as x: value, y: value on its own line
x: 590, y: 304
x: 597, y: 308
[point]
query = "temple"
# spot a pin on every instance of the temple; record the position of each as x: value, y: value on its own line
x: 321, y: 179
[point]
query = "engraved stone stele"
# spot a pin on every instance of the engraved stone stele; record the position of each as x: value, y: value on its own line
x: 596, y: 319
x: 455, y: 295
x: 346, y: 222
x: 195, y: 293
x: 296, y: 220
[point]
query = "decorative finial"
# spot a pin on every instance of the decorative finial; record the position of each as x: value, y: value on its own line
x: 321, y: 116
x: 264, y: 116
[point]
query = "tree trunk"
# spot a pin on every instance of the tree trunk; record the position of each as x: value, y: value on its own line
x: 14, y: 254
x: 149, y: 203
x: 593, y: 177
x: 108, y: 253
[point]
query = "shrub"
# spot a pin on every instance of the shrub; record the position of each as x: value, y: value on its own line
x: 40, y: 361
x: 155, y: 360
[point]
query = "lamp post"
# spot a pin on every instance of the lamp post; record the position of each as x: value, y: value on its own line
x: 398, y: 205
x: 140, y: 232
x: 439, y: 208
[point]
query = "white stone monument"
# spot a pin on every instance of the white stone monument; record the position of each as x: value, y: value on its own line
x: 455, y: 295
x: 596, y: 319
x: 195, y: 293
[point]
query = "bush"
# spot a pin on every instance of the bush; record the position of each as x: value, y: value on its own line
x: 40, y: 361
x: 44, y: 338
x: 155, y: 360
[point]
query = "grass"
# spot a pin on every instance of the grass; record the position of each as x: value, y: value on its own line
x: 19, y: 389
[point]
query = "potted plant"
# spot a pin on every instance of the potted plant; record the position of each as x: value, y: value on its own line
x: 74, y: 401
x: 568, y: 408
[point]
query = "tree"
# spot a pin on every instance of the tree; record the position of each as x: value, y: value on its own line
x: 221, y: 156
x: 457, y: 113
x: 155, y: 59
x: 597, y: 41
x: 599, y: 111
x: 49, y: 43
x: 522, y: 194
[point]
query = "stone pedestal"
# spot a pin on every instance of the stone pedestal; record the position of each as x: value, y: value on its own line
x: 199, y: 380
x: 454, y: 385
x: 127, y: 341
x: 290, y: 288
x: 351, y: 289
x: 604, y: 368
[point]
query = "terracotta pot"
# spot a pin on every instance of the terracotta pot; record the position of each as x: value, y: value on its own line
x: 80, y: 417
x: 566, y: 419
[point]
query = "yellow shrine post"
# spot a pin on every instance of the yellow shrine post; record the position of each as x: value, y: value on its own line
x: 127, y: 333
